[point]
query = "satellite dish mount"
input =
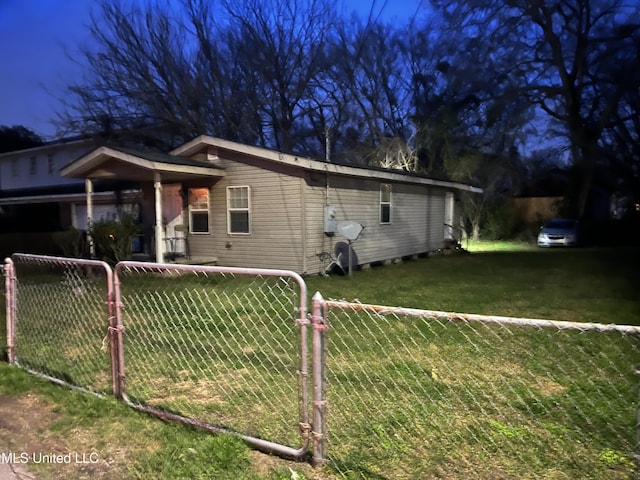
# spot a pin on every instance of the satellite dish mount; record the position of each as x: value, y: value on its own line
x: 351, y: 231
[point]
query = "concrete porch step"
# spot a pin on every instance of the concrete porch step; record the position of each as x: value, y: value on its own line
x: 195, y: 261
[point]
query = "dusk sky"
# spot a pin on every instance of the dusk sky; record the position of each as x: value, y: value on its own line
x: 34, y: 67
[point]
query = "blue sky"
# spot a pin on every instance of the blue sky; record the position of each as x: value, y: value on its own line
x: 34, y: 67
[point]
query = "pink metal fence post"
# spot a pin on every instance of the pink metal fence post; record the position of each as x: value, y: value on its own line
x: 10, y: 283
x: 319, y: 434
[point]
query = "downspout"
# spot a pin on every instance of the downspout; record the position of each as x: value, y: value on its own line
x: 159, y: 243
x: 88, y: 186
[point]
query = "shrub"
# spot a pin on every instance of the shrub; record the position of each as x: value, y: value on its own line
x: 499, y: 224
x: 113, y: 238
x: 71, y: 242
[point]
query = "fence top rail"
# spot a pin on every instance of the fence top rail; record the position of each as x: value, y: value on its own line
x: 151, y: 266
x: 470, y: 317
x: 210, y: 269
x: 53, y: 259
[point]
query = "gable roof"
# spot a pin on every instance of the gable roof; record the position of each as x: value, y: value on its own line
x: 204, y: 142
x: 119, y: 162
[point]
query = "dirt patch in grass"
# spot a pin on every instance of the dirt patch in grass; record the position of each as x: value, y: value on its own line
x: 269, y: 466
x: 25, y: 431
x: 29, y: 425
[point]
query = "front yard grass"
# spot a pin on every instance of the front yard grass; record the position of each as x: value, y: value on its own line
x: 582, y: 285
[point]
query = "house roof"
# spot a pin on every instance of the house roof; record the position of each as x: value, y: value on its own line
x: 178, y: 165
x: 204, y: 143
x: 56, y: 144
x: 63, y: 193
x: 118, y: 162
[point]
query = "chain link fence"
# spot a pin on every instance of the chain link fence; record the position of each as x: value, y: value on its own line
x: 59, y: 319
x: 396, y: 393
x: 420, y: 394
x: 219, y: 347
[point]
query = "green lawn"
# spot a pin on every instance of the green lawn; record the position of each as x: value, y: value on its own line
x: 583, y: 285
x: 417, y: 386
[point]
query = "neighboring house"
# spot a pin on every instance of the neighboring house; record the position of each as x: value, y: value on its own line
x: 240, y: 205
x: 35, y: 199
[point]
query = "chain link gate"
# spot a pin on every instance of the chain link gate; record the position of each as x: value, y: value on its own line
x: 59, y: 320
x: 224, y: 349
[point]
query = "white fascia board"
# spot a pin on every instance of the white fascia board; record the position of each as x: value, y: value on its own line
x: 82, y: 166
x: 76, y: 168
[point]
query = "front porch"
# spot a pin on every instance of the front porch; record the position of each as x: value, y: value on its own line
x: 166, y: 181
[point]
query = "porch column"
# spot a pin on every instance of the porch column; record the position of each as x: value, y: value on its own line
x: 157, y: 187
x: 88, y: 187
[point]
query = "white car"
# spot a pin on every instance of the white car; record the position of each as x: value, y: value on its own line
x: 559, y: 232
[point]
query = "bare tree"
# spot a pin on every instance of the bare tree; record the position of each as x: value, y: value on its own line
x: 141, y: 74
x: 370, y: 67
x: 282, y: 47
x: 241, y: 70
x: 554, y: 54
x: 621, y: 138
x: 18, y: 137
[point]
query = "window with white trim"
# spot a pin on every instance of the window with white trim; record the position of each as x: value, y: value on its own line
x: 238, y: 210
x: 385, y: 203
x: 198, y: 210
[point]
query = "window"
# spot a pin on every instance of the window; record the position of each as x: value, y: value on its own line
x: 33, y: 166
x: 385, y: 203
x: 199, y: 210
x: 14, y: 167
x: 51, y: 163
x: 238, y: 210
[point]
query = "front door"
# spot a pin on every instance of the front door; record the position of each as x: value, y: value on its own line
x: 172, y: 213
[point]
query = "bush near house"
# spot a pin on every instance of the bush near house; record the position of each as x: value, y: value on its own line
x: 113, y: 238
x: 72, y: 242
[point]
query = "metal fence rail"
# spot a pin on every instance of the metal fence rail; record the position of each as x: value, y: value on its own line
x: 64, y: 311
x: 221, y: 348
x: 422, y: 394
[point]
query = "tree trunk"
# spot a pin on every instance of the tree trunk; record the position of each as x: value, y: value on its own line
x: 582, y: 181
x: 475, y: 230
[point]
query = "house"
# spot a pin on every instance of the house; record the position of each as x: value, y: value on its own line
x: 240, y: 205
x: 35, y: 200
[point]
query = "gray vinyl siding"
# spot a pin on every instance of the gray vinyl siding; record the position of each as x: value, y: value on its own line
x: 276, y: 220
x: 415, y: 227
x: 435, y: 230
x: 287, y: 218
x: 317, y: 241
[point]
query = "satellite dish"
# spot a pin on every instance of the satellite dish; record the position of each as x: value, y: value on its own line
x: 350, y: 230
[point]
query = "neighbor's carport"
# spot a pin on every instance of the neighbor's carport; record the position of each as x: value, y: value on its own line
x: 117, y: 163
